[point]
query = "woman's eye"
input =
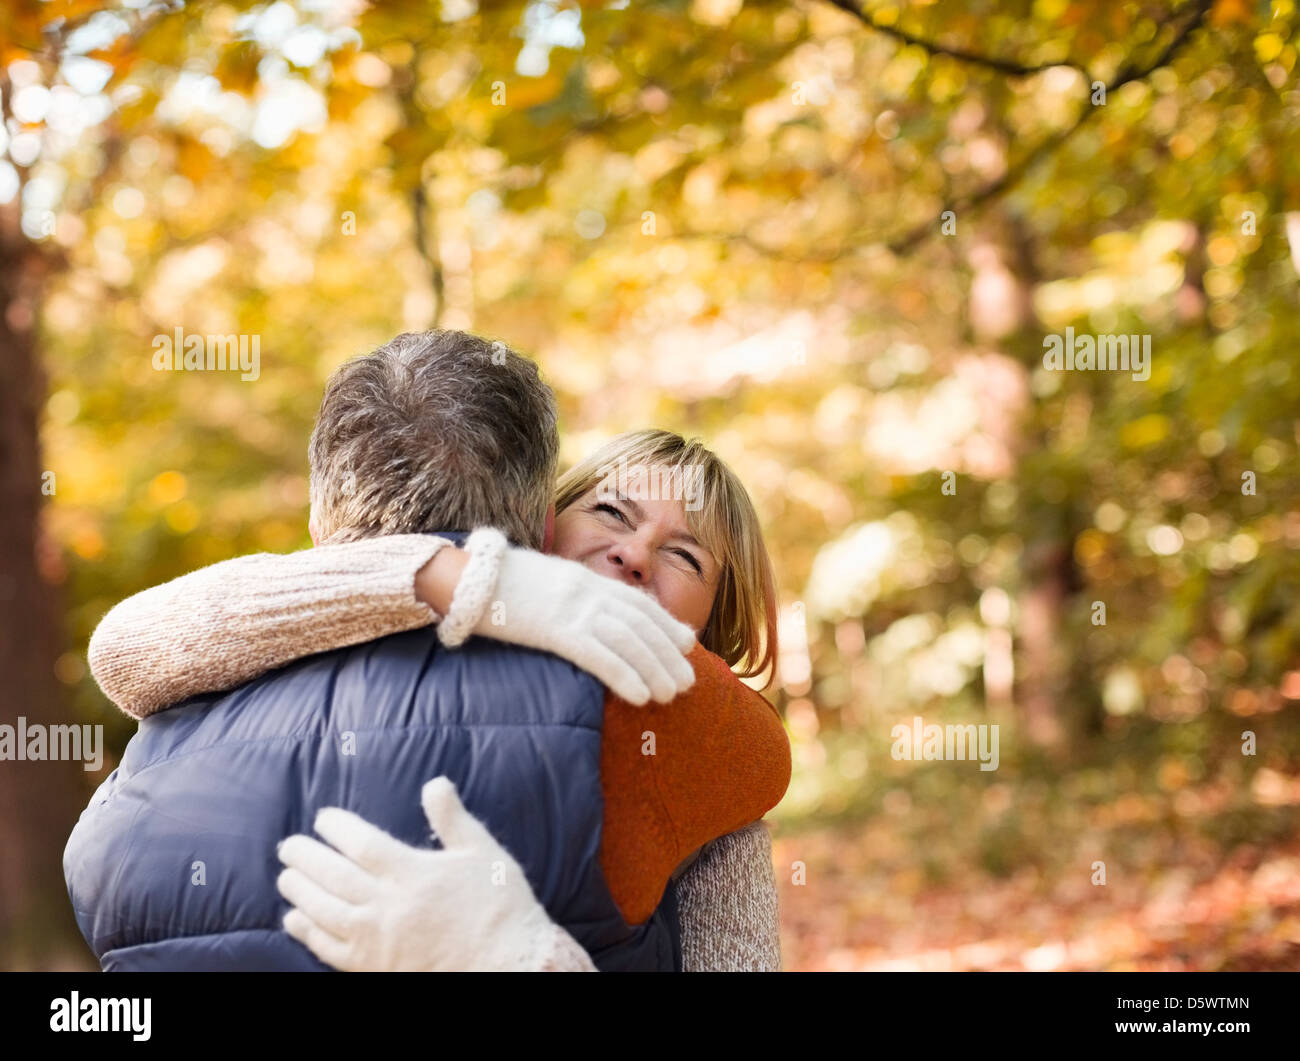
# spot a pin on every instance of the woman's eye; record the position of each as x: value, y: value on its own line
x: 690, y: 560
x: 611, y: 510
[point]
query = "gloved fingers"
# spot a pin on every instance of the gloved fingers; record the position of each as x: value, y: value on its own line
x: 327, y: 948
x: 328, y: 911
x: 680, y: 673
x: 368, y: 846
x: 642, y: 645
x: 681, y: 635
x: 334, y: 872
x: 613, y: 671
x: 680, y: 670
x: 453, y: 824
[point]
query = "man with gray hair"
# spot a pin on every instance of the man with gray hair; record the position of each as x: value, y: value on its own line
x: 432, y: 432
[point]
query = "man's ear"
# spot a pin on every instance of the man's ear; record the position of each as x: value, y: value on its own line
x: 548, y: 536
x: 312, y: 529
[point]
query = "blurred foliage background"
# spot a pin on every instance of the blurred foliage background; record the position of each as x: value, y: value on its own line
x: 829, y: 238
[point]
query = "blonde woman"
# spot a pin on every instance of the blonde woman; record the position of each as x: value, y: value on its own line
x: 650, y: 509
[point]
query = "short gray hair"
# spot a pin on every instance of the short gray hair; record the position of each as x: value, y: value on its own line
x: 434, y: 431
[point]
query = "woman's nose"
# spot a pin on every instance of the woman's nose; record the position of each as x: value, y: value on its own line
x: 632, y: 560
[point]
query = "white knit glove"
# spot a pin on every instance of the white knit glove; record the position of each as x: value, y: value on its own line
x: 376, y: 904
x: 618, y: 634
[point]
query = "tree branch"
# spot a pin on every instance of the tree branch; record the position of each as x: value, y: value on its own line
x: 1130, y: 71
x: 1002, y: 66
x: 421, y: 211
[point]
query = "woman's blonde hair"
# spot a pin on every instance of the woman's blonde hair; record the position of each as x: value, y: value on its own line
x: 742, y: 625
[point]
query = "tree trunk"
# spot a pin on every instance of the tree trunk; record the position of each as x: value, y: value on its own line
x: 39, y: 801
x: 1041, y: 686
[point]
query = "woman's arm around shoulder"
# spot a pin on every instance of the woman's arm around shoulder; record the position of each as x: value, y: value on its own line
x: 225, y: 624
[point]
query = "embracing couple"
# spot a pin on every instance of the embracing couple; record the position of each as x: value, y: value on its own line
x: 571, y: 729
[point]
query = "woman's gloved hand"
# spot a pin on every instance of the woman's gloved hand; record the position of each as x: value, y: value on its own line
x: 621, y: 635
x: 371, y: 903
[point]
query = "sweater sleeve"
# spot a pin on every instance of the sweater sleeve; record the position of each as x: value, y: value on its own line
x: 225, y: 624
x: 727, y: 903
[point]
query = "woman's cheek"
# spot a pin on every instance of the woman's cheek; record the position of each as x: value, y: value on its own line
x: 688, y: 604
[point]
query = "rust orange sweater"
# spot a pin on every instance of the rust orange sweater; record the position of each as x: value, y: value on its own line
x: 677, y: 775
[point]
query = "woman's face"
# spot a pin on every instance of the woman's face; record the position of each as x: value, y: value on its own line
x: 645, y: 543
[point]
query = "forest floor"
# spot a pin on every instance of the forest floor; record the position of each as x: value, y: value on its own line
x: 1196, y: 878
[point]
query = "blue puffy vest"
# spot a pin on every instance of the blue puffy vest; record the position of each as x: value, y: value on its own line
x: 172, y: 865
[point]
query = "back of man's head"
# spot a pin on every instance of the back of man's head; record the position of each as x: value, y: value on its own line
x: 434, y: 431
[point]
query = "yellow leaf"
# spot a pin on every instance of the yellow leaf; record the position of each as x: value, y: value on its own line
x: 1145, y: 431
